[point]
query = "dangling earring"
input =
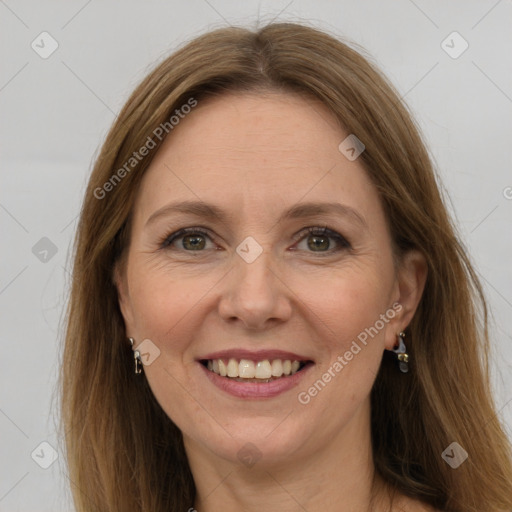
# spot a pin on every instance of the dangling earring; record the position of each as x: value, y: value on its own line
x: 401, y: 354
x: 137, y: 358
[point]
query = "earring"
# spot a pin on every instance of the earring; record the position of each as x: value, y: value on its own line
x: 137, y: 358
x: 401, y: 354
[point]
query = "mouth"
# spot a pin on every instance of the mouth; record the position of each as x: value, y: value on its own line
x: 248, y: 370
x: 257, y: 375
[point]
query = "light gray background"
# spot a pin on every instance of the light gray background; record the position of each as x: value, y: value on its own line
x: 55, y: 113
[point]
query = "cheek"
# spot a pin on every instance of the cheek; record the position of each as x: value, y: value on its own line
x: 166, y: 309
x: 347, y: 311
x: 344, y: 303
x: 163, y: 301
x: 351, y: 333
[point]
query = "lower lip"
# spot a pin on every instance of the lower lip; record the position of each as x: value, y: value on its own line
x: 256, y: 389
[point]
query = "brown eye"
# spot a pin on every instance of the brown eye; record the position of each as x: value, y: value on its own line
x: 193, y: 242
x: 192, y: 239
x: 319, y: 240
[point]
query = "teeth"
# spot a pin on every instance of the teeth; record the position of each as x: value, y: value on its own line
x: 223, y: 371
x: 277, y: 368
x: 232, y: 368
x: 263, y: 370
x: 246, y: 369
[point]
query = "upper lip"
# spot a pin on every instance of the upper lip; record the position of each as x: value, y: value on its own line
x: 254, y: 355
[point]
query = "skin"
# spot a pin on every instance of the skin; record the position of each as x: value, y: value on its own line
x: 255, y: 155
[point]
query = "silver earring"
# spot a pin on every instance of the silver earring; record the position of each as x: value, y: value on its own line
x: 401, y: 354
x: 137, y: 358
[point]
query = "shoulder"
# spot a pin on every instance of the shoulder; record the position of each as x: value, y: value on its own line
x: 411, y: 505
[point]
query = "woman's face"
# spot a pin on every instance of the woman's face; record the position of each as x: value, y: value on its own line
x: 248, y: 290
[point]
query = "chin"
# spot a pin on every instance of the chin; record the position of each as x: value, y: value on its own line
x: 265, y: 443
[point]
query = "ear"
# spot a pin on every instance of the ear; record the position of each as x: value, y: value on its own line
x: 123, y: 296
x: 410, y: 283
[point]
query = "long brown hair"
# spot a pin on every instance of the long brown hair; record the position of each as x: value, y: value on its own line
x: 123, y: 452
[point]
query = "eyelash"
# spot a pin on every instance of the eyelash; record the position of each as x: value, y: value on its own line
x: 343, y: 243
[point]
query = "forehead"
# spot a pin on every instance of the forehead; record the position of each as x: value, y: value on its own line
x: 256, y: 152
x: 267, y: 125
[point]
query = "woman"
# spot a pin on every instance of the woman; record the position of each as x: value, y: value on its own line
x: 271, y: 309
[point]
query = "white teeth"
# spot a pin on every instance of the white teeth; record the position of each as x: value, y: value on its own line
x: 277, y: 368
x: 232, y: 368
x: 247, y: 369
x: 263, y: 370
x: 223, y: 371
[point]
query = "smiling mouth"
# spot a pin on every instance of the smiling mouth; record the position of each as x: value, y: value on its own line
x: 247, y: 370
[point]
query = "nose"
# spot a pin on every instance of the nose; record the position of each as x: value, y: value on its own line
x: 254, y: 294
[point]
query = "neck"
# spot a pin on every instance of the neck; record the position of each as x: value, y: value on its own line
x: 337, y: 477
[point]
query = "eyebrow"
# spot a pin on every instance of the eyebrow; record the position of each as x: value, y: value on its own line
x: 302, y: 210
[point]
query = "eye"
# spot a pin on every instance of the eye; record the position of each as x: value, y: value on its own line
x: 193, y: 239
x: 319, y: 238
